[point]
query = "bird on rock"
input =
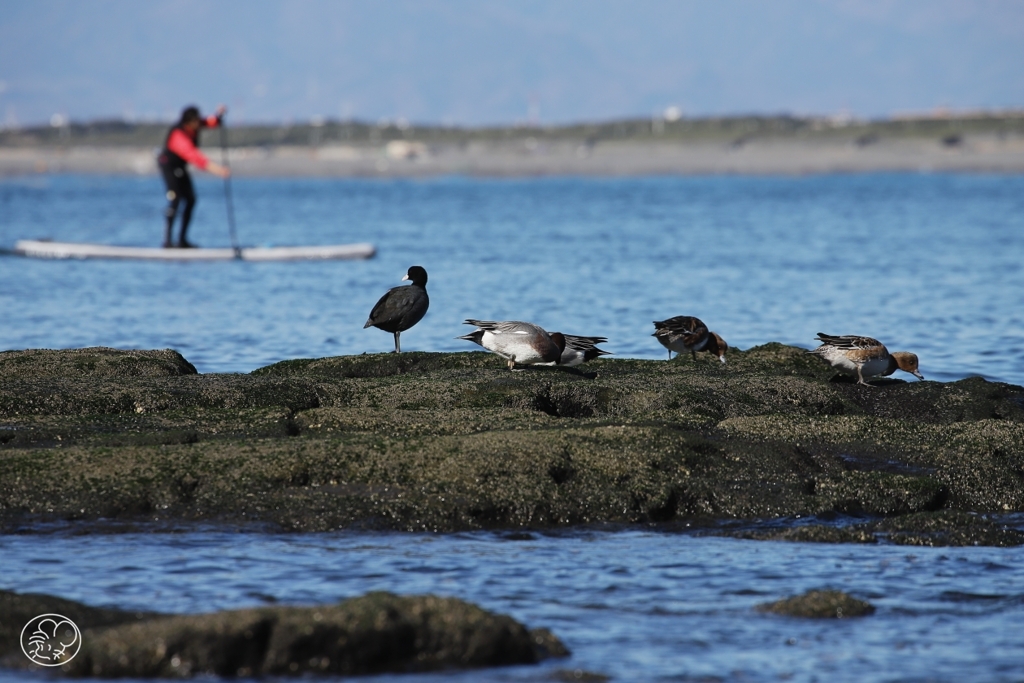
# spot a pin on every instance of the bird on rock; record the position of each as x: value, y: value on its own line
x: 518, y: 342
x: 401, y: 307
x: 580, y: 350
x: 685, y: 333
x: 864, y: 357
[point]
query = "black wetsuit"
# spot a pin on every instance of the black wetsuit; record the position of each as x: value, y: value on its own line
x: 179, y: 189
x: 174, y: 169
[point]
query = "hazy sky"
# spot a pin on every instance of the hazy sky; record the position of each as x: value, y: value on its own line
x: 489, y: 61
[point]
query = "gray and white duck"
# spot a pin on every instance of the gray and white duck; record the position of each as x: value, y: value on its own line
x: 518, y: 342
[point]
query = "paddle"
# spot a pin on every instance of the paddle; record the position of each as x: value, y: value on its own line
x: 227, y: 190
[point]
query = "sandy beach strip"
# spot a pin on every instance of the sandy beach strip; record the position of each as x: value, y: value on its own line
x: 519, y: 158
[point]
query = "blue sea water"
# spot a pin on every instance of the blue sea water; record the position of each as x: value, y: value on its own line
x: 930, y: 263
x: 636, y: 605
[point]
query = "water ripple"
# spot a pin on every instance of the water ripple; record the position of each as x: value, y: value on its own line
x: 925, y: 262
x: 625, y: 601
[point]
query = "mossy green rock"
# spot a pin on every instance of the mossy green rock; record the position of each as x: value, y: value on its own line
x: 93, y: 362
x: 820, y: 604
x: 375, y: 633
x: 432, y: 441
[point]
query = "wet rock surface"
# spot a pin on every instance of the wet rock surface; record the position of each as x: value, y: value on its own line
x: 820, y: 604
x: 375, y: 633
x: 17, y: 609
x: 97, y: 361
x: 431, y: 441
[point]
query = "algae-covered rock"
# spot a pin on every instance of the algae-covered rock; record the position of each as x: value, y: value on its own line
x: 92, y: 362
x: 376, y: 633
x: 812, y: 533
x: 578, y: 676
x: 939, y: 528
x: 436, y: 441
x: 17, y: 609
x: 880, y: 493
x: 947, y: 528
x: 376, y: 365
x: 819, y: 604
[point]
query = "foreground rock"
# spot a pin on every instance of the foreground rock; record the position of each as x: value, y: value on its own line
x: 826, y: 604
x: 17, y: 609
x: 445, y: 442
x: 376, y: 633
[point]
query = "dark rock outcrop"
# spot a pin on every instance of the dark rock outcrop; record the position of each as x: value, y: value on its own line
x: 17, y: 609
x: 431, y: 441
x: 92, y: 362
x: 375, y: 633
x: 823, y: 604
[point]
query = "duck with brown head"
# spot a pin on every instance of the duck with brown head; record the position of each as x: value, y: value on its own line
x: 685, y: 333
x: 864, y: 357
x: 401, y: 307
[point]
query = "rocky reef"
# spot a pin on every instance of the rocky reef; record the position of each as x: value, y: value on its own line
x: 819, y: 604
x: 375, y: 633
x: 437, y: 441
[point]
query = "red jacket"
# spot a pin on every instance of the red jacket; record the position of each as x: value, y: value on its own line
x: 180, y: 147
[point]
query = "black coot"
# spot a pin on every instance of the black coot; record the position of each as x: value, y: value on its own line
x: 401, y: 307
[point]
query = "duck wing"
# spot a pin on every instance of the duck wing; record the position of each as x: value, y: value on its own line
x: 507, y: 327
x: 849, y: 342
x: 686, y: 325
x: 690, y: 330
x: 573, y: 341
x: 400, y: 307
x: 581, y: 349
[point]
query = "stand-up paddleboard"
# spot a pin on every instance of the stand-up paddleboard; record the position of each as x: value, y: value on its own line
x: 68, y: 250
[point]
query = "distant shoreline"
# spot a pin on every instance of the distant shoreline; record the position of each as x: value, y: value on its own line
x: 530, y: 157
x: 981, y: 142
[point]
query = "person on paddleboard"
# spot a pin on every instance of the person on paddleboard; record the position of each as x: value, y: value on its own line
x: 180, y: 149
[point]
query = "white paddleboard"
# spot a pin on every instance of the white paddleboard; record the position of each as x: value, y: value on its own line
x: 66, y: 250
